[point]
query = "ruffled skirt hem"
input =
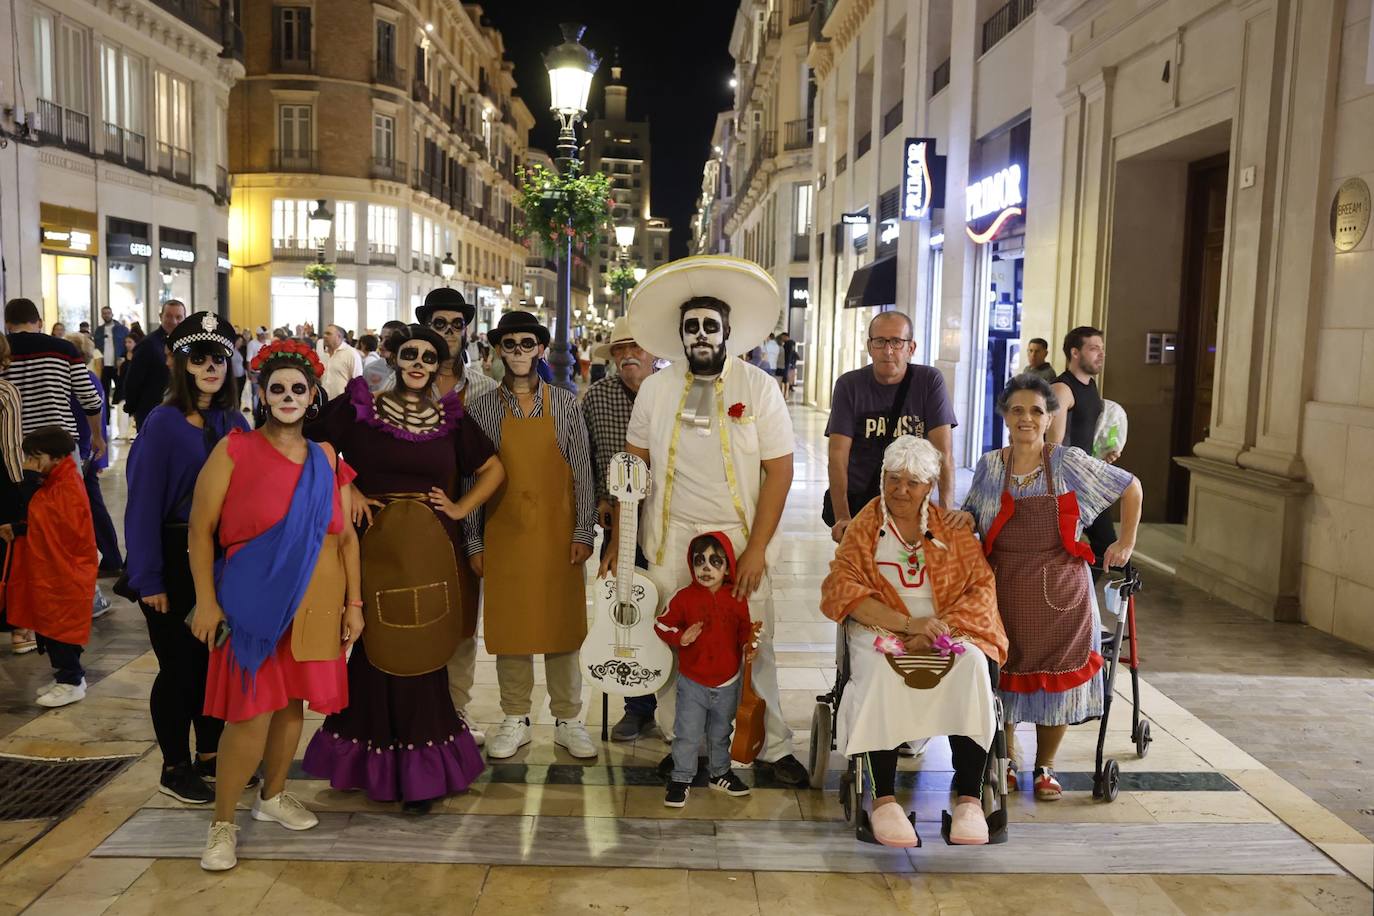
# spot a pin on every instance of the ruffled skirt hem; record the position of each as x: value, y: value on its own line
x: 410, y: 772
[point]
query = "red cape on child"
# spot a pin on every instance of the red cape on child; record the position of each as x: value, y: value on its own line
x: 53, y: 572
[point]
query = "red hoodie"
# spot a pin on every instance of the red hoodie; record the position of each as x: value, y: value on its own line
x: 716, y: 654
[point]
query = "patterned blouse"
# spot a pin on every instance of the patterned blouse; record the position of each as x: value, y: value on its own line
x: 1097, y: 484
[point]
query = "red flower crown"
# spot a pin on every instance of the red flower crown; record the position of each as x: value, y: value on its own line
x: 289, y: 349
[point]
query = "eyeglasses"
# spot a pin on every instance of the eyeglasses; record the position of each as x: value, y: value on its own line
x: 200, y: 359
x: 443, y: 324
x: 888, y: 343
x: 510, y: 345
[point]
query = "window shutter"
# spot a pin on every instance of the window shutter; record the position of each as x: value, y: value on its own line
x: 303, y: 17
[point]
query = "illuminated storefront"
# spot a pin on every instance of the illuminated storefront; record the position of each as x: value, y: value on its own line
x: 70, y: 242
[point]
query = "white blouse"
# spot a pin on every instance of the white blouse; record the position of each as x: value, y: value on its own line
x: 905, y: 572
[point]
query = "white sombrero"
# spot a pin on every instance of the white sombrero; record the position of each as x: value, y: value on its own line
x: 656, y: 303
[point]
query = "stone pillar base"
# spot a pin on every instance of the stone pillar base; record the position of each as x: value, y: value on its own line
x: 1244, y: 537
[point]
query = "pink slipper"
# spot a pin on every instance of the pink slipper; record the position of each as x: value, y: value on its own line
x: 891, y: 827
x: 968, y: 827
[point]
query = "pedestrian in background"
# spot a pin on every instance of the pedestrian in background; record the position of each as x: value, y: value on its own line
x: 146, y: 382
x: 106, y: 538
x: 1075, y: 420
x: 1037, y: 359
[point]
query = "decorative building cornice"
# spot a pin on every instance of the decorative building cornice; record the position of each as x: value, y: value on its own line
x: 845, y: 21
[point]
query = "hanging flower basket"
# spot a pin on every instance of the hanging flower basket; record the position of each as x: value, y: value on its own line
x: 554, y: 206
x: 622, y: 280
x: 322, y: 275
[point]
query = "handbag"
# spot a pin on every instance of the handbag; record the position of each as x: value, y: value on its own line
x: 827, y: 505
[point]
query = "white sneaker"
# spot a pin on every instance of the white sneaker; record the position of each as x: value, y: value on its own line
x: 45, y: 688
x: 572, y: 735
x: 221, y: 847
x: 512, y: 734
x: 63, y: 695
x: 477, y: 735
x: 284, y: 809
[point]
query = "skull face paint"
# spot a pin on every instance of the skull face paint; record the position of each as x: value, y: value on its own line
x: 704, y: 332
x: 451, y: 326
x: 709, y: 566
x: 208, y: 369
x: 519, y: 351
x: 417, y: 362
x: 287, y: 393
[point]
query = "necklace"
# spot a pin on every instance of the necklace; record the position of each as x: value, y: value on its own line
x: 913, y: 554
x: 1023, y: 481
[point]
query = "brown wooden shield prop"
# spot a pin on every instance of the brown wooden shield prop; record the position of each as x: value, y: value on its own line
x: 412, y: 602
x: 921, y: 670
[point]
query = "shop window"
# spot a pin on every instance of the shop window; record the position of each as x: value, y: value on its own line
x: 345, y: 228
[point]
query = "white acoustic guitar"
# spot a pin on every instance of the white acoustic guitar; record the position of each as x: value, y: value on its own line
x: 622, y: 655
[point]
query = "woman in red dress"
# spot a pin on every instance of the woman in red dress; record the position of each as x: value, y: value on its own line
x: 273, y: 609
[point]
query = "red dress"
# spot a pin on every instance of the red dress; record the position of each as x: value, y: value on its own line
x: 259, y: 493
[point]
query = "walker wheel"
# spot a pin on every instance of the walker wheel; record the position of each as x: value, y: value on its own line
x: 1111, y: 780
x: 1142, y: 739
x: 821, y: 745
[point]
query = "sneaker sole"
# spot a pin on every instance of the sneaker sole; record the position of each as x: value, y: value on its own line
x: 730, y: 792
x: 495, y: 756
x: 673, y: 804
x: 172, y: 793
x: 592, y: 756
x: 205, y: 866
x: 259, y: 816
x: 70, y: 702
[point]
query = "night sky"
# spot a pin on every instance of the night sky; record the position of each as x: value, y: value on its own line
x: 676, y: 62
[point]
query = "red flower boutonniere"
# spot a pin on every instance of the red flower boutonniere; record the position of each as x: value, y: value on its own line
x: 736, y: 411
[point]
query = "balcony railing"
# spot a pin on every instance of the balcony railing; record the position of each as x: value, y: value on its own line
x: 1000, y: 23
x: 419, y: 91
x: 820, y: 12
x: 797, y: 134
x: 293, y: 250
x: 388, y: 74
x: 862, y: 145
x: 388, y: 169
x: 893, y: 118
x: 173, y: 162
x: 381, y: 253
x: 939, y: 79
x: 344, y: 254
x: 283, y: 62
x: 135, y: 150
x: 112, y: 142
x: 798, y: 11
x: 295, y: 160
x: 78, y: 128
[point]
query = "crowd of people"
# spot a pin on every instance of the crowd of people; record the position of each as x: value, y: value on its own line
x: 327, y: 520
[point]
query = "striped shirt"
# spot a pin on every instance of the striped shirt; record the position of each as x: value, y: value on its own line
x: 490, y: 409
x: 11, y: 436
x: 48, y: 373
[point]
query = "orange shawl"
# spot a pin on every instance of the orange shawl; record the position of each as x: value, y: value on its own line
x: 964, y: 591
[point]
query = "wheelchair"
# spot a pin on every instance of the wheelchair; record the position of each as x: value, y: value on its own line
x: 856, y: 792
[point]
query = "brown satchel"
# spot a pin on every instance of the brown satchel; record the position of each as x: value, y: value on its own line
x: 412, y: 601
x: 748, y: 738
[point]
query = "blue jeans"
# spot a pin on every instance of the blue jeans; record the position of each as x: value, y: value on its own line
x: 704, y: 714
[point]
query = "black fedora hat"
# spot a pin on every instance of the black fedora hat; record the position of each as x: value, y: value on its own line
x: 445, y: 299
x: 516, y: 322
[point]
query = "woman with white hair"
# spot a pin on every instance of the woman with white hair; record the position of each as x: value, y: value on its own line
x: 919, y: 606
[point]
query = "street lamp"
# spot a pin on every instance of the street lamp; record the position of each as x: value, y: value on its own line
x: 571, y: 67
x: 539, y: 301
x: 321, y: 220
x: 506, y: 290
x: 640, y: 274
x: 448, y: 268
x: 624, y: 237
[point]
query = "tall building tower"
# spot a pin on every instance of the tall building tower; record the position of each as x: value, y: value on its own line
x: 619, y: 148
x: 408, y: 127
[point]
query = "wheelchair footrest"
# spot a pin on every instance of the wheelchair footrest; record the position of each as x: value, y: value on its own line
x: 997, y: 826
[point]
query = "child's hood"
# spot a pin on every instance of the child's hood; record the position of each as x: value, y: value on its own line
x: 725, y: 546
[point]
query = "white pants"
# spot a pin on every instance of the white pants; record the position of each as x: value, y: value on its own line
x: 673, y: 575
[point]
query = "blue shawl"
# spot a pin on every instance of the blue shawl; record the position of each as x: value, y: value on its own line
x: 262, y: 584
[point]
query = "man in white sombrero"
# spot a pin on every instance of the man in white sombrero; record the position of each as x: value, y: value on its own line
x: 718, y: 439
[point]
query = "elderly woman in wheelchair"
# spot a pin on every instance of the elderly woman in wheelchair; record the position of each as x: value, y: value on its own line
x: 918, y: 605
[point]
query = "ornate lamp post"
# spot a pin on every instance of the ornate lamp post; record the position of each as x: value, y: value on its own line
x: 447, y: 268
x: 571, y: 67
x: 624, y: 237
x: 321, y: 221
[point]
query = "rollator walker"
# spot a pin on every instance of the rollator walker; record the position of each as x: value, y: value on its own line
x: 856, y: 791
x: 1120, y: 589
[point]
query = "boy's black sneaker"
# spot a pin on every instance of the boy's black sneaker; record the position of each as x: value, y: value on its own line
x: 676, y: 796
x: 730, y: 784
x: 185, y: 785
x: 205, y: 768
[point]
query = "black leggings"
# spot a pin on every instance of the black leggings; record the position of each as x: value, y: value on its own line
x: 970, y: 766
x: 179, y: 690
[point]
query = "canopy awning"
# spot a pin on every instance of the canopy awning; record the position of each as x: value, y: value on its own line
x: 873, y: 284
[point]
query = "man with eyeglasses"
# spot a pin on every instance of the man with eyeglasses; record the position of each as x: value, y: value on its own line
x: 865, y: 417
x: 531, y: 541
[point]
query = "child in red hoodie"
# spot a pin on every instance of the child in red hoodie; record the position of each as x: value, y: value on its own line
x: 714, y: 635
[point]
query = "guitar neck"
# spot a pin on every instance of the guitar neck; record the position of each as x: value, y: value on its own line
x: 627, y: 531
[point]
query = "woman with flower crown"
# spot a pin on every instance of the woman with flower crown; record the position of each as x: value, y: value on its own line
x: 282, y: 605
x: 401, y: 738
x: 907, y: 581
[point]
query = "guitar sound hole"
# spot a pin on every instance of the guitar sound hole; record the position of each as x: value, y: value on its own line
x: 626, y: 615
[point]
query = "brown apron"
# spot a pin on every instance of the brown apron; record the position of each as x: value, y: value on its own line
x: 317, y: 628
x: 1044, y: 590
x: 535, y: 599
x: 413, y: 606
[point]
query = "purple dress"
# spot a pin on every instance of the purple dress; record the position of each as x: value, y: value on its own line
x: 400, y: 739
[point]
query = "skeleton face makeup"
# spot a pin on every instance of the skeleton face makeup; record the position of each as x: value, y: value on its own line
x: 709, y: 567
x: 416, y: 364
x: 451, y: 326
x: 209, y: 370
x: 287, y: 393
x: 519, y: 350
x: 704, y: 332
